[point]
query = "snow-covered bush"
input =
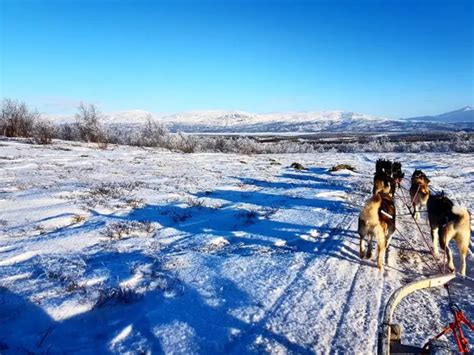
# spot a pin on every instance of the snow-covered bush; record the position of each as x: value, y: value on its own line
x: 184, y: 142
x: 88, y: 124
x: 16, y: 119
x: 43, y: 132
x: 153, y: 134
x: 67, y: 132
x: 126, y: 229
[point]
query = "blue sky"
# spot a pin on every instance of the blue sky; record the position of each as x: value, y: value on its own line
x: 383, y: 57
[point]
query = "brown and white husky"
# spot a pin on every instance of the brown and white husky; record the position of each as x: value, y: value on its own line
x: 447, y: 222
x: 377, y: 220
x: 419, y: 191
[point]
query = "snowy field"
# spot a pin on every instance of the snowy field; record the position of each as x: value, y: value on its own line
x: 139, y: 250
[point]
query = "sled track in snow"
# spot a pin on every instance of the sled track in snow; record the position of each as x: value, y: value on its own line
x: 367, y: 309
x: 329, y: 244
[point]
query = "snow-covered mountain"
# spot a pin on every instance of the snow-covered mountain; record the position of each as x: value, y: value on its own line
x: 466, y: 114
x: 218, y: 121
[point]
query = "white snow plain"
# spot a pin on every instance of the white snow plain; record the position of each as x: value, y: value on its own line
x: 132, y: 250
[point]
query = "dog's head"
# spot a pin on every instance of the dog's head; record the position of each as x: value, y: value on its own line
x: 383, y: 166
x: 397, y: 172
x: 418, y: 177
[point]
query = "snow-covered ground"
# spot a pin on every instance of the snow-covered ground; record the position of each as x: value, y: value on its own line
x: 140, y: 250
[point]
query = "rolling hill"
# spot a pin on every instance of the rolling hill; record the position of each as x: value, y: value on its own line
x: 241, y: 122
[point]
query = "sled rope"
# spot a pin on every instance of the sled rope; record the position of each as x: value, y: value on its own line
x: 430, y: 248
x: 411, y: 246
x: 460, y: 318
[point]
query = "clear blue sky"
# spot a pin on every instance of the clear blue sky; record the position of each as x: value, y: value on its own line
x: 389, y: 58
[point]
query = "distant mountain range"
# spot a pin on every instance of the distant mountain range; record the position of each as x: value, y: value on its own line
x: 239, y: 122
x: 466, y: 114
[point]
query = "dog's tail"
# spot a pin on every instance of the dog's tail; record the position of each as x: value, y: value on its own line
x: 461, y: 212
x: 464, y: 215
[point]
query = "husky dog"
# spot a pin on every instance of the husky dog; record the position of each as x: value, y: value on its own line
x: 419, y: 192
x: 387, y: 176
x: 397, y: 176
x: 377, y: 219
x: 449, y: 222
x: 383, y: 172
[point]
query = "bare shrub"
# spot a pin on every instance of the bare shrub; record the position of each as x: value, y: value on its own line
x: 43, y: 132
x: 16, y: 119
x: 68, y: 132
x: 180, y: 216
x: 153, y: 134
x: 114, y: 189
x: 114, y: 295
x: 195, y: 202
x: 66, y: 271
x: 249, y: 216
x: 121, y: 230
x: 88, y: 124
x: 110, y: 193
x: 185, y: 143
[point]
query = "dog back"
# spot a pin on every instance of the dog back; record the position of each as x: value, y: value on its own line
x: 387, y: 213
x: 440, y: 210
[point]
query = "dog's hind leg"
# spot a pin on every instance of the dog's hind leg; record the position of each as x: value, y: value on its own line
x: 369, y: 245
x: 381, y: 247
x: 362, y: 246
x: 462, y: 256
x: 444, y: 242
x: 463, y: 246
x: 362, y: 230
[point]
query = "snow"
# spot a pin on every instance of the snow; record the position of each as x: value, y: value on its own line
x: 131, y: 250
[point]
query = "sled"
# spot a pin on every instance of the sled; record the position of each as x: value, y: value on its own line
x: 390, y: 335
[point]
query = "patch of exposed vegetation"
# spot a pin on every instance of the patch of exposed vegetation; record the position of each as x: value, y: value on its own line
x: 66, y: 271
x: 128, y: 229
x: 114, y: 295
x: 342, y: 167
x: 77, y: 218
x: 120, y: 195
x: 297, y: 166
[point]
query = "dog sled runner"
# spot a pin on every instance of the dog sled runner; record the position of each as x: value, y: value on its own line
x: 390, y: 336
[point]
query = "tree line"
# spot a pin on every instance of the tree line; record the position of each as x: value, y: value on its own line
x: 19, y: 120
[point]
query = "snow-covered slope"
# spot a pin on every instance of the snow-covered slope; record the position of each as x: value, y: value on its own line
x: 466, y: 114
x: 295, y: 122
